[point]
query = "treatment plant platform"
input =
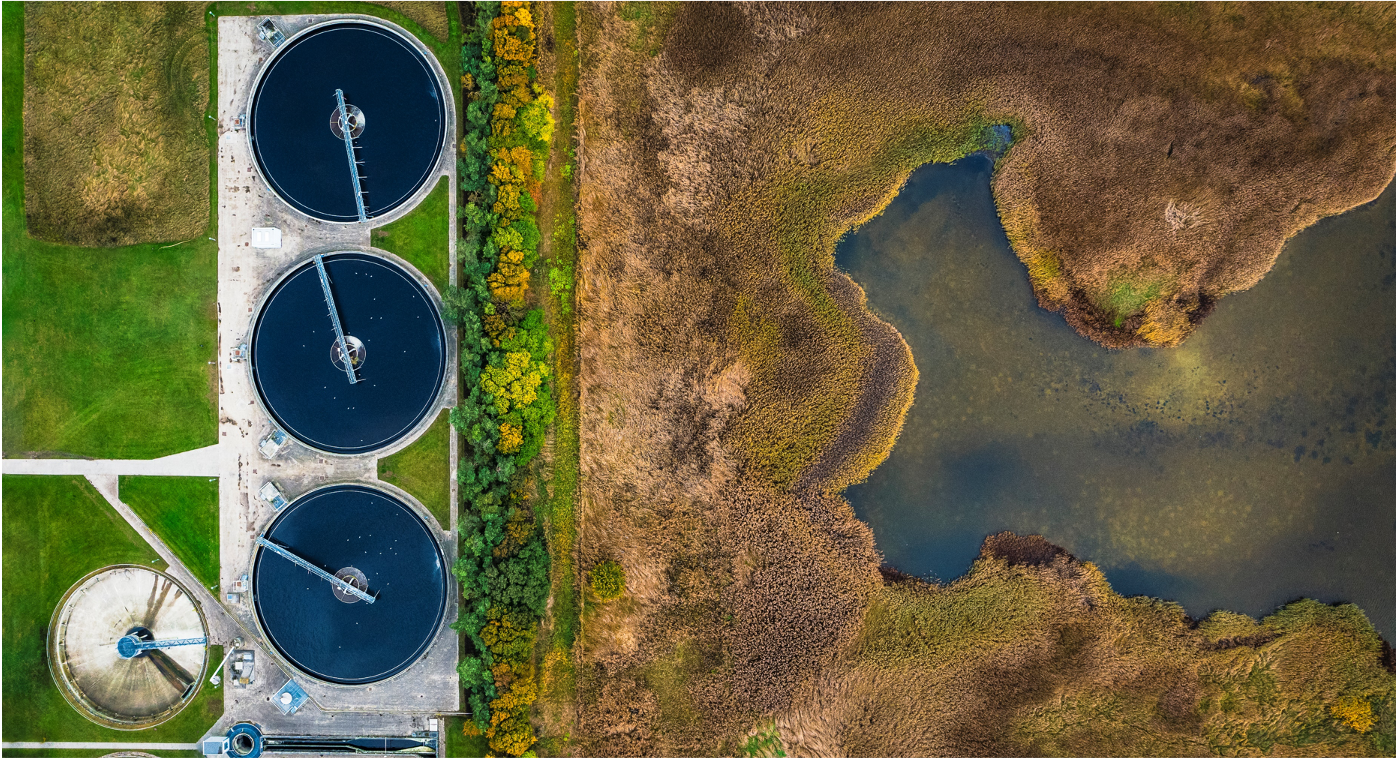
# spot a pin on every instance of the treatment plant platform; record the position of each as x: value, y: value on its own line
x: 421, y: 683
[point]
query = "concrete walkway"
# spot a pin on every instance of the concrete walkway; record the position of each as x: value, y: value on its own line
x: 201, y: 462
x: 222, y: 627
x: 113, y: 746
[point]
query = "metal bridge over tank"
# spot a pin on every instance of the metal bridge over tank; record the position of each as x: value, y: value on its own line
x: 335, y: 581
x: 346, y: 130
x: 335, y: 316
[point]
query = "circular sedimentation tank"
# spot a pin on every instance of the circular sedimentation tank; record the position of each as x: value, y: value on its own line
x: 396, y: 342
x: 116, y: 687
x: 388, y: 551
x: 397, y: 117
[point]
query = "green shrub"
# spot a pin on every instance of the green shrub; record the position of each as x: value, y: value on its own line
x: 607, y: 580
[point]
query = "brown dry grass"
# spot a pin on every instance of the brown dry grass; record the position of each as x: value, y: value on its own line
x: 115, y: 149
x: 1042, y: 658
x: 730, y: 378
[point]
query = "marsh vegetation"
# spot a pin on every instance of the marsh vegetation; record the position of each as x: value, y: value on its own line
x: 733, y: 382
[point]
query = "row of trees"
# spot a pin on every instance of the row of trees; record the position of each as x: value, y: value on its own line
x: 503, y: 564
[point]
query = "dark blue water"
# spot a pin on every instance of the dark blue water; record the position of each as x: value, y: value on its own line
x: 404, y: 115
x: 351, y: 643
x: 309, y: 395
x: 1246, y: 468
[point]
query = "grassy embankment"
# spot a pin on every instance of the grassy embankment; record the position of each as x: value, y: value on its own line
x: 420, y: 237
x: 1032, y: 653
x: 423, y: 469
x: 182, y: 511
x: 558, y: 227
x: 105, y: 351
x: 56, y: 530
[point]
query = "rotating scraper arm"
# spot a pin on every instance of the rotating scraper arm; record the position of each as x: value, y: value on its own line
x: 130, y: 645
x: 349, y: 151
x: 335, y: 318
x: 338, y: 583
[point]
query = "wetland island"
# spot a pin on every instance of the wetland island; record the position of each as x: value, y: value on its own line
x: 540, y: 379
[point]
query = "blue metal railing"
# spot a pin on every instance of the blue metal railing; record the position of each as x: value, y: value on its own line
x: 338, y: 583
x: 131, y: 645
x: 335, y: 319
x: 345, y: 131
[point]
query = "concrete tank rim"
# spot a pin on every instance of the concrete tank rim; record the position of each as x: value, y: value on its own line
x: 89, y: 711
x: 449, y: 582
x: 448, y: 126
x: 449, y: 348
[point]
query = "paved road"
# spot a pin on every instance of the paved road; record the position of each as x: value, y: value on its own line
x: 201, y: 462
x: 113, y: 746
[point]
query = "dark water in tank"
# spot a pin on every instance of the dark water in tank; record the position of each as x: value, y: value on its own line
x: 309, y: 395
x: 404, y: 115
x: 351, y: 643
x: 1251, y: 466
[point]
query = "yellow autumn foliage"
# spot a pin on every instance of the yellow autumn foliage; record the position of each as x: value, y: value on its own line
x: 511, y: 437
x: 1356, y: 712
x: 513, y: 385
x: 510, y: 282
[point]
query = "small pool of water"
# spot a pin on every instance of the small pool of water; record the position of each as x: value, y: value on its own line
x: 1251, y: 466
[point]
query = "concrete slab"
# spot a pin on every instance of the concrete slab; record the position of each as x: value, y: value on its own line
x: 201, y: 462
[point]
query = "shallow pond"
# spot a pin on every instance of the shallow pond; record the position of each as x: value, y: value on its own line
x: 1246, y: 468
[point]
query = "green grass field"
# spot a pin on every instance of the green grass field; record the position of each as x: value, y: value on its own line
x: 66, y: 753
x: 182, y: 511
x: 458, y: 745
x: 106, y: 350
x: 424, y: 470
x: 55, y: 531
x: 421, y: 236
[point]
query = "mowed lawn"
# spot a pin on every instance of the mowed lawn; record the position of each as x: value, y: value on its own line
x: 182, y: 511
x: 421, y: 236
x: 55, y: 531
x: 424, y: 470
x: 106, y: 350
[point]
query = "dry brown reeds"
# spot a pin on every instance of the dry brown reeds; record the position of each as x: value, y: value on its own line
x: 731, y: 379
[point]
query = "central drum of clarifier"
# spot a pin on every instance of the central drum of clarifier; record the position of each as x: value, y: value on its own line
x: 374, y: 541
